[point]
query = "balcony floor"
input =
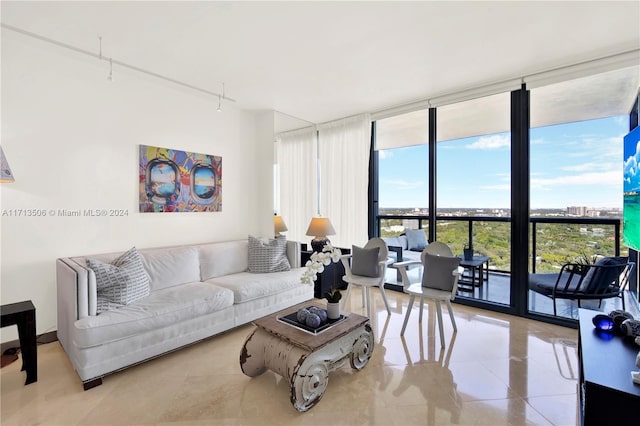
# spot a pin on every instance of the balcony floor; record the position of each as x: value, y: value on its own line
x: 497, y: 290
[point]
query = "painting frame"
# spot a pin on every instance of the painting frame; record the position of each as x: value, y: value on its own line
x: 175, y: 181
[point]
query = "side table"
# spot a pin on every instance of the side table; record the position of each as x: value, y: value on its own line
x: 23, y: 314
x: 479, y: 267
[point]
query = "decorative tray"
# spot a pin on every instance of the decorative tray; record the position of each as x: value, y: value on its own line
x: 291, y: 319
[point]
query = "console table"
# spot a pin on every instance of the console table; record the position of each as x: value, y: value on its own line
x: 23, y: 314
x: 606, y: 393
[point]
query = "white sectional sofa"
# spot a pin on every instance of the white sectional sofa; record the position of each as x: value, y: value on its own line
x: 196, y: 291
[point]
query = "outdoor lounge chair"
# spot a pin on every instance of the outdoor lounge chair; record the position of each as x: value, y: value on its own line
x: 605, y: 279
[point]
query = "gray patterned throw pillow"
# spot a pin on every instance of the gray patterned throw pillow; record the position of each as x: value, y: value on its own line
x: 268, y: 255
x: 120, y: 282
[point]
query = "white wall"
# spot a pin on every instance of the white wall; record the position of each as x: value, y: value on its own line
x: 71, y: 138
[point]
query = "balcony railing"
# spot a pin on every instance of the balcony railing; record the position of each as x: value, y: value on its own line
x: 557, y: 239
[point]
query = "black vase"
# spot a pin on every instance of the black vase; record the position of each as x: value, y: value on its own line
x: 468, y: 254
x: 318, y: 244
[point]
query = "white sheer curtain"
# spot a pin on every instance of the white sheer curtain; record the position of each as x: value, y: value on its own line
x: 344, y: 177
x: 296, y: 157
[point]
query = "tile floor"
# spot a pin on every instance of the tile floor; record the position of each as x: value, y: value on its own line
x: 496, y: 370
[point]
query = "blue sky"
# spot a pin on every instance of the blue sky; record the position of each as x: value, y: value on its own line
x: 632, y: 162
x: 574, y: 164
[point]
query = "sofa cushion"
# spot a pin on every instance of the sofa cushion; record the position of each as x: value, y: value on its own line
x: 171, y: 266
x: 247, y: 286
x: 598, y: 280
x: 120, y: 282
x: 399, y: 241
x: 161, y: 308
x: 417, y: 239
x: 219, y: 259
x: 268, y: 254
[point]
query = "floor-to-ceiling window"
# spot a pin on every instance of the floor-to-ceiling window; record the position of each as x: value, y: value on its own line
x: 473, y: 189
x: 529, y: 178
x: 576, y: 174
x: 403, y: 176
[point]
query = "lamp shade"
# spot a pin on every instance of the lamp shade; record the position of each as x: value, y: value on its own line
x: 320, y: 227
x: 5, y: 171
x: 279, y: 225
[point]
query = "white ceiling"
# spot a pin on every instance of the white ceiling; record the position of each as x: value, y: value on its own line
x: 325, y: 60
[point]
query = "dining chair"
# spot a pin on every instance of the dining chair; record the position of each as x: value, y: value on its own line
x: 366, y: 267
x: 439, y: 282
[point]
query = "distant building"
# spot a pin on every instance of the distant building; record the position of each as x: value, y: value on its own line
x: 577, y: 211
x: 583, y: 211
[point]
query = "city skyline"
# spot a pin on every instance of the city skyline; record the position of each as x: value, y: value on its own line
x: 572, y: 164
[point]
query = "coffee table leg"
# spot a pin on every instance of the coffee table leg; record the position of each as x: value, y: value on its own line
x: 308, y: 386
x: 362, y: 349
x: 251, y: 355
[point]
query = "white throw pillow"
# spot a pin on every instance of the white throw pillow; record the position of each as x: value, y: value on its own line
x: 268, y: 254
x: 120, y: 282
x: 417, y: 239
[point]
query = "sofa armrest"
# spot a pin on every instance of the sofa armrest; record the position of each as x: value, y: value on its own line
x: 398, y: 251
x: 76, y: 287
x: 406, y: 263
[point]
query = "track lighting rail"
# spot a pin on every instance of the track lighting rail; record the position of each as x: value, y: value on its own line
x: 113, y: 61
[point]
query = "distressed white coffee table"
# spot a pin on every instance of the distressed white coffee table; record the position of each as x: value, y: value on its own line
x: 304, y: 358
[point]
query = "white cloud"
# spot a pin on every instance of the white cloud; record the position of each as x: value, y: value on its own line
x: 491, y: 142
x: 595, y: 178
x: 631, y: 165
x: 591, y: 166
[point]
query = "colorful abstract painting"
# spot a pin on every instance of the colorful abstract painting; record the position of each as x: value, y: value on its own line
x: 179, y: 181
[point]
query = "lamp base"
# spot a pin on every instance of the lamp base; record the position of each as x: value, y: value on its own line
x: 318, y: 243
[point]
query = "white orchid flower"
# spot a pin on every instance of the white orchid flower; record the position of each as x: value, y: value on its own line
x: 315, y: 265
x: 335, y: 255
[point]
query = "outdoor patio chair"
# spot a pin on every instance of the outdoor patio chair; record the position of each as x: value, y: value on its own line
x: 605, y: 279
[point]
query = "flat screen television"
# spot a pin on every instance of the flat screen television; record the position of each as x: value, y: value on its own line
x: 631, y: 187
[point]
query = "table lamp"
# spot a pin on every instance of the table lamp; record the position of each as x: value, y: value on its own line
x: 319, y: 228
x: 5, y: 171
x: 279, y: 225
